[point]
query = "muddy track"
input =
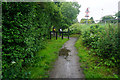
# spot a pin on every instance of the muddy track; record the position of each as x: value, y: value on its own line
x: 67, y: 64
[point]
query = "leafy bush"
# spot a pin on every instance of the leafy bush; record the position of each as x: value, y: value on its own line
x: 26, y: 26
x: 107, y: 45
x: 74, y: 29
x: 91, y: 35
x: 104, y: 42
x: 25, y: 29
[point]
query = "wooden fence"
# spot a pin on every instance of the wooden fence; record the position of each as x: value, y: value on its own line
x: 60, y: 34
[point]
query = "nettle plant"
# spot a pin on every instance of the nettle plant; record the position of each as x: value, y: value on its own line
x: 103, y: 42
x: 107, y: 45
x: 90, y: 36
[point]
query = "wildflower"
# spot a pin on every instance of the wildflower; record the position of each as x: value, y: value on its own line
x: 13, y: 62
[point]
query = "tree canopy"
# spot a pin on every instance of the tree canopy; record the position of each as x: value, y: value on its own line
x: 90, y: 21
x: 69, y: 11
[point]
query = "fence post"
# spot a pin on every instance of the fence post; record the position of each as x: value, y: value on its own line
x: 56, y: 35
x: 62, y: 35
x: 50, y: 34
x: 68, y: 33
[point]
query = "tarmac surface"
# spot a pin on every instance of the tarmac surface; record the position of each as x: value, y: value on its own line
x: 67, y: 65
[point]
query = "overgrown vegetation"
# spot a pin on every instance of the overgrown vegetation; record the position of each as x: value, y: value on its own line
x: 92, y: 65
x: 26, y: 27
x: 103, y: 42
x: 77, y: 28
x: 23, y: 35
x: 99, y: 49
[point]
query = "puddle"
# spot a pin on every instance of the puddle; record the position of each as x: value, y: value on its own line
x: 64, y: 52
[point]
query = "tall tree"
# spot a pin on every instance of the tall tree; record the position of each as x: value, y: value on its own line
x: 69, y: 11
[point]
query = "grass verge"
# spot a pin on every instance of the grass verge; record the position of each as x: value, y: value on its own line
x: 75, y: 35
x: 46, y: 58
x: 92, y: 66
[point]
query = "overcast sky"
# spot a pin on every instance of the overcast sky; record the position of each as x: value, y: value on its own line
x: 97, y: 8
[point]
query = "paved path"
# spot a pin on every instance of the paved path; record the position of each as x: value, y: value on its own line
x: 70, y: 67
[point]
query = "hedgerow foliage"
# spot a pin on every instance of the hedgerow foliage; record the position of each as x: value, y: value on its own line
x: 25, y: 28
x: 103, y: 42
x: 23, y: 35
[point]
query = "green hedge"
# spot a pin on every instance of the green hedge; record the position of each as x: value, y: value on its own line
x: 25, y: 28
